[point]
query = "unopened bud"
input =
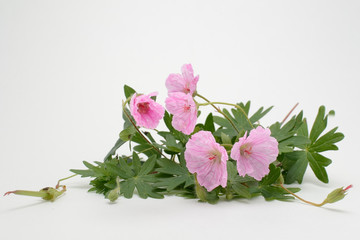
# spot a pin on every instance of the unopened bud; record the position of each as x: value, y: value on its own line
x: 337, y: 194
x: 48, y: 193
x: 113, y: 195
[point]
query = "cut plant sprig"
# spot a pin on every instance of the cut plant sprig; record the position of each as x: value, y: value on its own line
x: 334, y: 196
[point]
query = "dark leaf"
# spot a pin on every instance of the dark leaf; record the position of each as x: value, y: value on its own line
x: 317, y: 168
x: 128, y: 91
x: 112, y: 152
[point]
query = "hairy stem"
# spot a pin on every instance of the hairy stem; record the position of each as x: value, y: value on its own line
x: 229, y: 104
x: 219, y: 111
x: 60, y: 180
x: 301, y: 199
x: 282, y: 122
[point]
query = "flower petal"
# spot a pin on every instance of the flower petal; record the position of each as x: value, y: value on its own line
x: 205, y: 157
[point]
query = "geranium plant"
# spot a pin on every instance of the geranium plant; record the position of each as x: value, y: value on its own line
x: 230, y: 155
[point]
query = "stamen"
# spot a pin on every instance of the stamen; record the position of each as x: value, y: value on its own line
x: 143, y: 107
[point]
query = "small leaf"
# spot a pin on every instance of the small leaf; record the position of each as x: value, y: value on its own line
x: 148, y: 166
x: 225, y: 138
x: 319, y: 124
x: 272, y: 177
x: 83, y: 173
x: 274, y: 192
x: 112, y: 152
x: 209, y: 123
x: 136, y: 163
x: 127, y: 133
x: 326, y: 142
x: 259, y: 114
x: 241, y: 190
x: 127, y: 188
x: 294, y: 164
x: 317, y: 168
x: 128, y: 91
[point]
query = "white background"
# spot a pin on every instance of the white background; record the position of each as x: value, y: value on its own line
x: 62, y: 68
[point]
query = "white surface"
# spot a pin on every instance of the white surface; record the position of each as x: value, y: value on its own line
x: 62, y: 68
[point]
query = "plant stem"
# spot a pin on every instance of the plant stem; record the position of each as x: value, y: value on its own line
x: 301, y: 199
x: 219, y: 110
x: 226, y: 145
x: 229, y: 104
x: 58, y: 183
x: 289, y: 113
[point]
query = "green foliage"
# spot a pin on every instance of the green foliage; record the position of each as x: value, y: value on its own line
x: 133, y: 173
x: 239, y: 118
x: 174, y: 175
x: 297, y: 154
x: 158, y: 167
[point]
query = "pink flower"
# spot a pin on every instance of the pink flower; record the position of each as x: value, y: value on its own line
x: 205, y: 157
x: 185, y: 82
x: 255, y: 153
x: 146, y: 112
x: 183, y: 107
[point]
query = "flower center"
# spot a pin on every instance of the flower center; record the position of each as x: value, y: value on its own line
x: 143, y: 107
x: 187, y: 88
x: 187, y: 108
x: 215, y: 157
x: 245, y: 150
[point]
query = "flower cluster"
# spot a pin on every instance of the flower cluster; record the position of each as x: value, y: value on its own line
x: 203, y: 155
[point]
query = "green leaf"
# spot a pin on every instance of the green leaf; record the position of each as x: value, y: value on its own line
x: 324, y: 161
x: 127, y: 188
x: 209, y: 123
x: 174, y: 174
x: 124, y: 167
x: 303, y: 129
x: 317, y: 168
x: 136, y: 163
x: 223, y: 122
x: 168, y: 120
x: 273, y: 175
x: 115, y: 170
x: 127, y: 133
x: 127, y: 117
x: 288, y: 130
x: 241, y: 190
x: 225, y: 138
x: 259, y: 114
x: 148, y: 166
x: 319, y: 124
x: 327, y: 141
x: 144, y: 190
x: 84, y: 173
x: 112, y: 152
x: 171, y: 143
x: 294, y: 164
x: 128, y: 91
x: 274, y: 192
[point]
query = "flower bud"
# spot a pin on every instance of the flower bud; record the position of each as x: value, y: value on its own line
x: 200, y: 191
x: 48, y: 193
x: 337, y: 194
x: 113, y: 195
